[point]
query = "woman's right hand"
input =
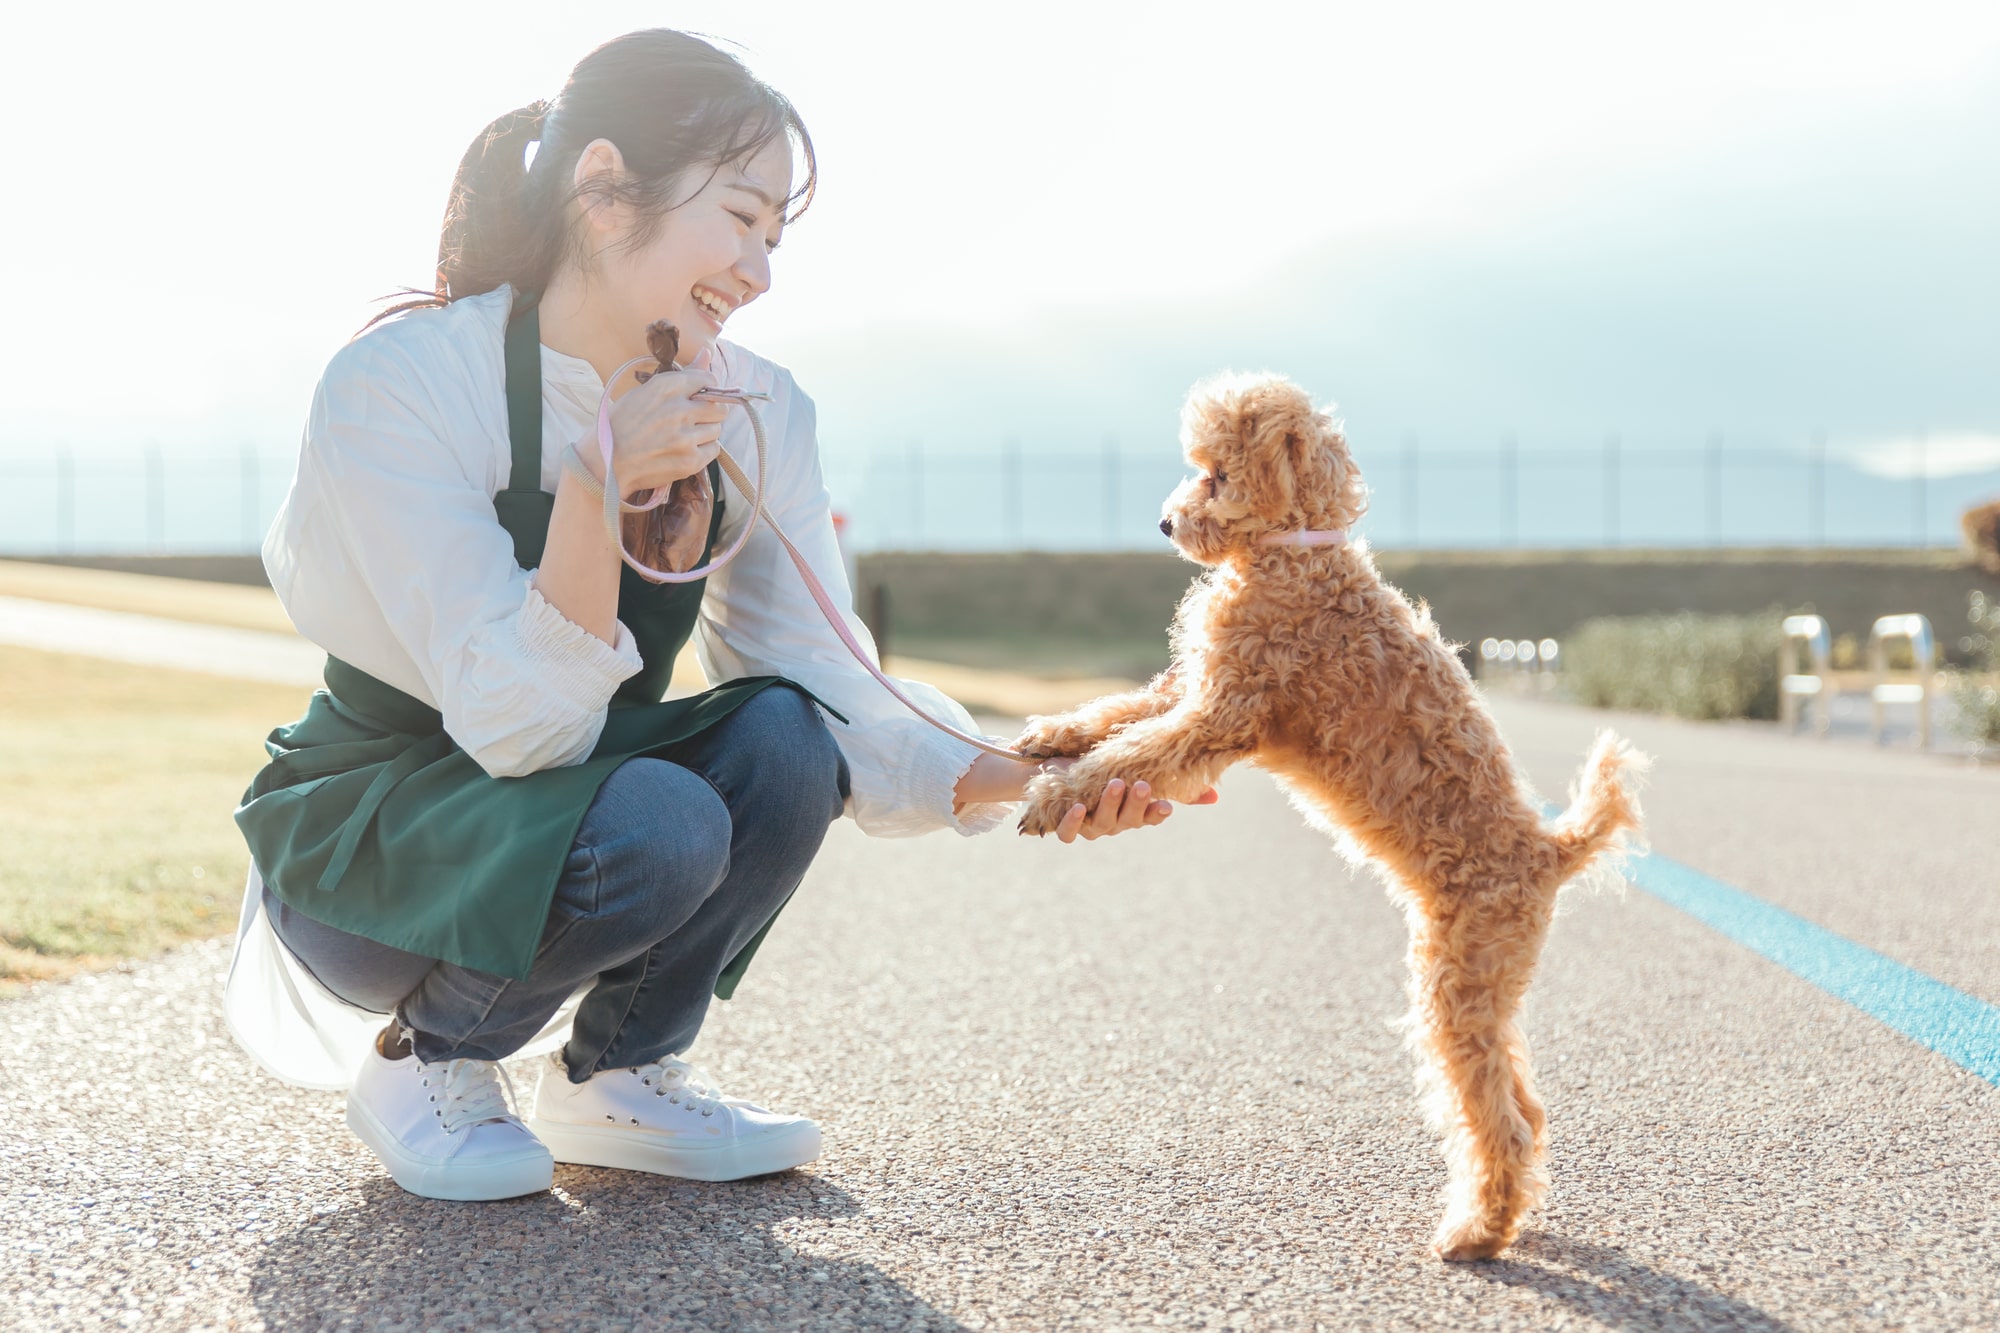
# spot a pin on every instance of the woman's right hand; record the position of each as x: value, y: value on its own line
x: 660, y: 432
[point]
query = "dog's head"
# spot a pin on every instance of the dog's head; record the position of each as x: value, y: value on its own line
x: 1267, y: 461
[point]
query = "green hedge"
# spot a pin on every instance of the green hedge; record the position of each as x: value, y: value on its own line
x: 1686, y: 665
x: 1979, y: 702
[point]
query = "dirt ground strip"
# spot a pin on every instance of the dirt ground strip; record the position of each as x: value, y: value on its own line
x: 1149, y: 1081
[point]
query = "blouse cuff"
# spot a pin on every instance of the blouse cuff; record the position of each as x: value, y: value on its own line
x: 933, y: 776
x: 582, y: 667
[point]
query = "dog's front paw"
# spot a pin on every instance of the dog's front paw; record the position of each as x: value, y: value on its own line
x: 1054, y: 738
x: 1048, y: 799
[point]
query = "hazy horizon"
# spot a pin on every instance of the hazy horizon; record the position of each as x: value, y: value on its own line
x: 1551, y: 226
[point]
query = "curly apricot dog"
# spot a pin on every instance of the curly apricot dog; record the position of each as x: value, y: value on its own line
x: 1291, y: 651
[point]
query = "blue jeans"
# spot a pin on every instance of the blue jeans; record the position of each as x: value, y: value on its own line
x: 678, y: 863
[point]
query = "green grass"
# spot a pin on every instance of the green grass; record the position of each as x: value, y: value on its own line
x: 116, y: 787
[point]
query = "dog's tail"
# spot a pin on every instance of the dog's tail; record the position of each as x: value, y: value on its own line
x: 1604, y: 808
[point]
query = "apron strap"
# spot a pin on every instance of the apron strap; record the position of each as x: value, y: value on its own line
x: 522, y: 506
x: 524, y: 395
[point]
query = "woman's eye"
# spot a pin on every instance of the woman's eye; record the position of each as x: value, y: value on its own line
x: 743, y: 218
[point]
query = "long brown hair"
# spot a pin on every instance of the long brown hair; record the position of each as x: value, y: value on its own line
x: 669, y: 100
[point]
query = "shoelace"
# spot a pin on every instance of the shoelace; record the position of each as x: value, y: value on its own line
x: 468, y: 1092
x: 682, y: 1084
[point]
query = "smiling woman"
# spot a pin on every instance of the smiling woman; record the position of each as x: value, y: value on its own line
x: 512, y: 216
x: 491, y: 825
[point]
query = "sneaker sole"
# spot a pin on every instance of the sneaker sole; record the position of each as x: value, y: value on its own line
x: 589, y: 1145
x: 503, y: 1178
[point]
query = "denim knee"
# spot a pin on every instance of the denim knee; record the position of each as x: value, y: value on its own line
x: 651, y: 849
x: 791, y: 749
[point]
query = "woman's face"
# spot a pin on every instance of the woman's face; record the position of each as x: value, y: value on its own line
x: 709, y: 257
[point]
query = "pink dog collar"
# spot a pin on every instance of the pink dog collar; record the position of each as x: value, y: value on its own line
x: 1307, y: 537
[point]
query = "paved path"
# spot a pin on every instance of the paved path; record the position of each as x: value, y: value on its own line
x: 201, y: 640
x: 1147, y: 1081
x: 121, y: 636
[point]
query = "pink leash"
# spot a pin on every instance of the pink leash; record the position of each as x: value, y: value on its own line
x: 614, y: 503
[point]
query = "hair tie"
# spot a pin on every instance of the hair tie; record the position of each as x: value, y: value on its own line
x: 538, y: 118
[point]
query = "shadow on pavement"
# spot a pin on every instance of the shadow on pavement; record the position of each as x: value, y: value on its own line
x: 1619, y: 1291
x: 605, y: 1249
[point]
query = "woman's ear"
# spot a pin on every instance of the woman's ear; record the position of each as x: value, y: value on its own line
x: 599, y: 167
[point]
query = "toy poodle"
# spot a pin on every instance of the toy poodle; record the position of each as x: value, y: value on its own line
x: 1291, y: 651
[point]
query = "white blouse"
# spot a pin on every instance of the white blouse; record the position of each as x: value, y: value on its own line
x: 387, y: 554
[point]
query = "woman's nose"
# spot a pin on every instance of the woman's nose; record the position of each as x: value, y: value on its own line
x: 754, y: 268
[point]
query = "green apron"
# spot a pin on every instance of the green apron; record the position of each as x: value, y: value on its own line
x: 370, y: 818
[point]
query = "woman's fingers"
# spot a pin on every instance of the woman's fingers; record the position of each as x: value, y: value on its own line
x: 1122, y: 808
x: 677, y: 383
x: 1104, y: 819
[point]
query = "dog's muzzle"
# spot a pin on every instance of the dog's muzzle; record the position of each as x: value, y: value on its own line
x: 1166, y: 527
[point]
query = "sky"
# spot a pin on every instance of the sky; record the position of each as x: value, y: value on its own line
x: 1043, y: 221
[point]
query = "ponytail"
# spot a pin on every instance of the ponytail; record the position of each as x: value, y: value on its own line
x: 485, y: 210
x: 670, y: 102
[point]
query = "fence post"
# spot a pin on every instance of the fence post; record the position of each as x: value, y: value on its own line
x: 1816, y: 489
x: 1920, y: 505
x: 1611, y: 489
x: 1010, y: 490
x: 1510, y: 513
x: 1111, y: 490
x: 249, y: 484
x: 65, y: 500
x: 1410, y: 509
x: 877, y: 620
x: 156, y: 499
x: 1715, y: 488
x: 916, y: 495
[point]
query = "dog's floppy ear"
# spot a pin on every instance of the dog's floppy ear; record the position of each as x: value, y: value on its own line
x: 1280, y: 434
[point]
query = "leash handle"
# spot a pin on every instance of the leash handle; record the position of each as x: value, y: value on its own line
x: 614, y: 499
x: 754, y: 492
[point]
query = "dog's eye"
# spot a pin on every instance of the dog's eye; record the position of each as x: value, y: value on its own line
x: 1217, y: 477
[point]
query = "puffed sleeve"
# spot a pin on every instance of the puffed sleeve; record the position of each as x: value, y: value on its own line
x: 389, y: 555
x: 759, y: 619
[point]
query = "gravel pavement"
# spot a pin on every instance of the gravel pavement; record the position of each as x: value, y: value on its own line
x: 1148, y: 1081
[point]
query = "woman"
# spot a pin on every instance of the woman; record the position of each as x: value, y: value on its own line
x: 488, y: 825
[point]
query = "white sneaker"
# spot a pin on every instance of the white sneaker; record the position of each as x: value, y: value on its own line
x: 445, y: 1130
x: 668, y: 1118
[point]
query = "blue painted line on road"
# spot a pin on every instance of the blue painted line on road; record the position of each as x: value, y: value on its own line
x: 1957, y: 1026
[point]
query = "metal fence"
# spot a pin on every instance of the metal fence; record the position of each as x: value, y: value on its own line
x: 1102, y: 497
x: 1501, y: 496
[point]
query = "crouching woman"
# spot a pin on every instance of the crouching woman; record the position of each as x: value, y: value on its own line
x: 489, y: 827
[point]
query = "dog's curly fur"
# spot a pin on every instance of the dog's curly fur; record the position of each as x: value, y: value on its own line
x: 1303, y: 660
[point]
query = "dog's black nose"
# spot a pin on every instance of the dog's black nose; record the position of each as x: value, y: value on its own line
x: 1166, y: 527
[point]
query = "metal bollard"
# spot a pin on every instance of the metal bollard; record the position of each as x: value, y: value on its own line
x: 1923, y: 647
x: 1522, y: 663
x: 1797, y: 689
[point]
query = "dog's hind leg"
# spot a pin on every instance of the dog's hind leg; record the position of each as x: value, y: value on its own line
x: 1470, y: 966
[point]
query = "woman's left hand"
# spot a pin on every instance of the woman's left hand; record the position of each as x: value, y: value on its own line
x: 993, y: 778
x: 1119, y: 809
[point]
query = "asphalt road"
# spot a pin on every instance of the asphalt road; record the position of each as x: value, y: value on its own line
x: 1149, y: 1081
